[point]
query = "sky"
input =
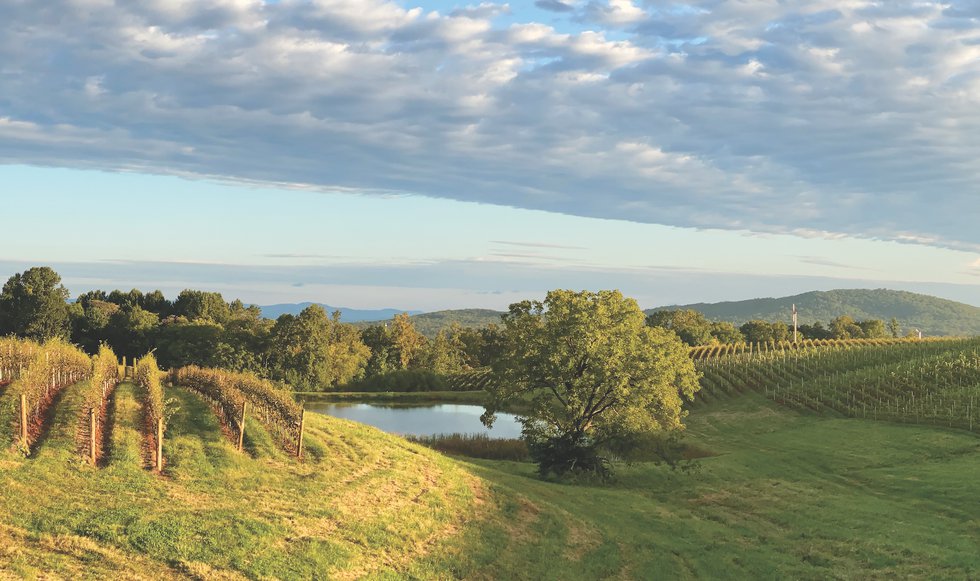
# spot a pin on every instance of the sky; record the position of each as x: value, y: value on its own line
x: 428, y: 155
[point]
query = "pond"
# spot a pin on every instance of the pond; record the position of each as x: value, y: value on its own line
x: 421, y: 420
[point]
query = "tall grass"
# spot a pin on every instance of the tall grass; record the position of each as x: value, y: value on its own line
x: 476, y: 446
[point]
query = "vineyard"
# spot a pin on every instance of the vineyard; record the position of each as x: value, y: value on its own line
x: 150, y: 393
x: 473, y: 380
x: 702, y: 352
x: 367, y: 504
x: 930, y: 382
x: 93, y: 412
x: 33, y: 376
x: 231, y: 394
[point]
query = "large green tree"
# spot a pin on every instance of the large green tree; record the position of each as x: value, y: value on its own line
x: 757, y: 331
x: 408, y: 345
x: 90, y: 322
x: 445, y: 354
x: 313, y: 351
x: 33, y: 305
x: 690, y: 325
x: 694, y: 328
x: 845, y: 327
x: 873, y: 329
x: 200, y: 305
x: 589, y: 371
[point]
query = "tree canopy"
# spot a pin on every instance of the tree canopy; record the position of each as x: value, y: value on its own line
x: 694, y: 328
x: 32, y: 305
x: 588, y: 370
x: 313, y: 350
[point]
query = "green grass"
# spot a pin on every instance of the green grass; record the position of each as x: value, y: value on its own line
x: 361, y: 501
x: 787, y: 496
x: 784, y: 496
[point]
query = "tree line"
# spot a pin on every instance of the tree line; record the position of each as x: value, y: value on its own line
x: 695, y: 329
x: 592, y: 375
x: 313, y: 350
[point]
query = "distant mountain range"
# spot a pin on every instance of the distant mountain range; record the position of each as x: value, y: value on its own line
x: 346, y: 315
x: 932, y: 315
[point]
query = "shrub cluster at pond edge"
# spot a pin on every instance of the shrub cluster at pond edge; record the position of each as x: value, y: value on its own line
x: 476, y: 446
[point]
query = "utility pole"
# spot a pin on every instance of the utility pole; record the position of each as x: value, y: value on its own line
x: 795, y: 323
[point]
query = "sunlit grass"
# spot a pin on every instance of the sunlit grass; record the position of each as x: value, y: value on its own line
x: 784, y: 495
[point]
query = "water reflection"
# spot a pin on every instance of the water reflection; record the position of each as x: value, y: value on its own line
x: 421, y: 420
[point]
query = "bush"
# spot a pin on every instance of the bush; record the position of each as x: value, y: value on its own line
x: 404, y: 380
x: 567, y: 455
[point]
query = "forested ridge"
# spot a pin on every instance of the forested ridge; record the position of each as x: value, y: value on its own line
x: 932, y: 315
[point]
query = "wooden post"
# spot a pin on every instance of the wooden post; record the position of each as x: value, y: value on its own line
x: 92, y: 437
x: 299, y: 442
x: 159, y: 444
x: 241, y: 427
x: 23, y: 418
x: 125, y: 369
x: 795, y: 324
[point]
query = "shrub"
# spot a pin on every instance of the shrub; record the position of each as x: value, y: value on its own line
x: 403, y: 380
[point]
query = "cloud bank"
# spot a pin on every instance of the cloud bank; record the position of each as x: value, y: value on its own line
x: 817, y: 117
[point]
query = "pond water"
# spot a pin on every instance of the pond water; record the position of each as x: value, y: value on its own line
x: 421, y: 420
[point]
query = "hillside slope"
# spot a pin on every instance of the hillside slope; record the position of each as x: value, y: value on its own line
x: 933, y: 315
x: 361, y: 503
x: 429, y: 324
x: 781, y: 494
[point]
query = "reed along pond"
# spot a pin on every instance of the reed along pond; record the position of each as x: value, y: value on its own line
x: 421, y: 420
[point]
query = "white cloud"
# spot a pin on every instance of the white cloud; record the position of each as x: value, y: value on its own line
x: 836, y: 117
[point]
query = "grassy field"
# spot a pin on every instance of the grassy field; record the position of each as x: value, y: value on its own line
x: 784, y: 496
x: 362, y: 502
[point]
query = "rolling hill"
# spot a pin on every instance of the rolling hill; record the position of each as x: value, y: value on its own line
x: 429, y: 324
x: 932, y: 315
x: 346, y: 315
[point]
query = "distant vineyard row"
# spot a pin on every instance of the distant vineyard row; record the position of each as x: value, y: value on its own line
x: 756, y: 349
x: 931, y: 382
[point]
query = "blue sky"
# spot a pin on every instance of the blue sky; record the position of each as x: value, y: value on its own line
x: 385, y: 154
